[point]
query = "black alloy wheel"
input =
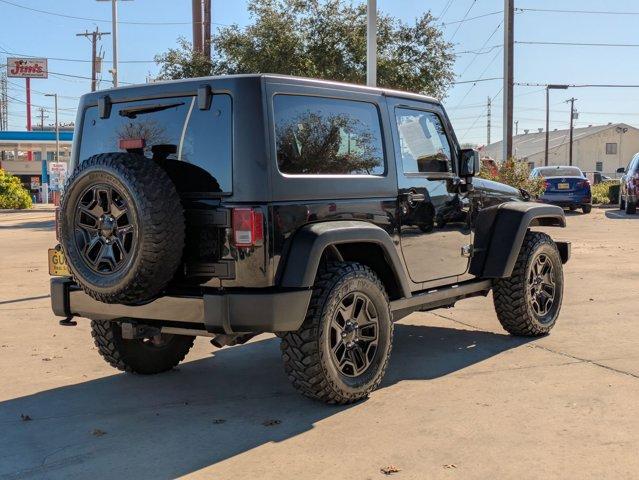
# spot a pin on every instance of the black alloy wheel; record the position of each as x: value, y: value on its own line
x: 105, y: 230
x: 541, y: 285
x: 354, y: 333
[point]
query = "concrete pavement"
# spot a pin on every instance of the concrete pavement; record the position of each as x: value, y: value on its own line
x: 461, y: 398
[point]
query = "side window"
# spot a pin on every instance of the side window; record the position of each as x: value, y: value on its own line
x: 324, y: 136
x: 423, y: 143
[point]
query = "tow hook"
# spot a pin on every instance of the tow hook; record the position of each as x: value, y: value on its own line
x: 68, y: 322
x: 133, y: 331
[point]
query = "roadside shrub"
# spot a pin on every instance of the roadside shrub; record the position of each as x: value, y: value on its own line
x: 516, y: 174
x: 605, y: 192
x: 12, y: 193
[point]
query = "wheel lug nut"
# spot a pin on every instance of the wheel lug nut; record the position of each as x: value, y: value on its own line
x: 343, y: 334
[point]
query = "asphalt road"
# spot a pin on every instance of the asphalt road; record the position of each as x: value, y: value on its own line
x: 461, y: 398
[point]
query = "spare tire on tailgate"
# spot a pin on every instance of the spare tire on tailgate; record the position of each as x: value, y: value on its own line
x: 121, y: 227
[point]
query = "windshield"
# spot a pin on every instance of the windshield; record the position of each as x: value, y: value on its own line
x: 559, y: 172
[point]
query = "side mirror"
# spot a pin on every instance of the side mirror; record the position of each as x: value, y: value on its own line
x: 469, y: 163
x: 621, y: 170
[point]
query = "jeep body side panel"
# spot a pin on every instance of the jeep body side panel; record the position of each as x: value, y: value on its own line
x: 500, y: 232
x: 310, y: 242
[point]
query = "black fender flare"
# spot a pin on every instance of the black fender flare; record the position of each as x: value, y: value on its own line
x: 500, y: 231
x: 309, y: 242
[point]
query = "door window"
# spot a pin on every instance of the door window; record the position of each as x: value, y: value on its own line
x: 423, y: 143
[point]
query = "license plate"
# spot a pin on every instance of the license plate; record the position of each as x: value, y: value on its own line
x: 57, y: 263
x: 563, y: 186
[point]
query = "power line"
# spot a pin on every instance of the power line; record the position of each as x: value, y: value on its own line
x: 479, y: 51
x: 481, y: 48
x: 78, y: 60
x: 472, y: 18
x: 577, y: 44
x: 73, y: 17
x: 462, y: 20
x: 478, y: 80
x: 596, y: 12
x: 446, y: 7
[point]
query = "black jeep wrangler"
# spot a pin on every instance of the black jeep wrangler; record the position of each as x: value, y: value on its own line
x: 319, y: 211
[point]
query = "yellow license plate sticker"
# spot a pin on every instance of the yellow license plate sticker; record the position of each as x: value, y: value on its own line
x: 57, y: 263
x: 563, y: 186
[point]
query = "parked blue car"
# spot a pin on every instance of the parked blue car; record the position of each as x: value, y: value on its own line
x: 566, y: 187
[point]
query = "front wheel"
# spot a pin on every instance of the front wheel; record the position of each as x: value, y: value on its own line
x: 631, y: 208
x: 528, y: 302
x: 341, y: 351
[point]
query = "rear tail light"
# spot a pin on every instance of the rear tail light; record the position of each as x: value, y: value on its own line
x: 57, y: 224
x: 583, y: 184
x: 547, y: 185
x: 248, y: 229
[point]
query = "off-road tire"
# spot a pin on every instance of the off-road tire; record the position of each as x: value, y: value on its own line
x: 511, y: 296
x: 631, y: 208
x: 305, y: 351
x: 138, y: 356
x: 586, y: 208
x: 159, y: 227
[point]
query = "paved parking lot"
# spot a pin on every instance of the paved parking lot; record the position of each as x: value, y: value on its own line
x: 461, y: 398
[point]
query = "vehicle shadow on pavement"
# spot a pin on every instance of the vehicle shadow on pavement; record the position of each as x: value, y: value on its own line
x: 620, y: 215
x: 42, y: 225
x: 209, y: 410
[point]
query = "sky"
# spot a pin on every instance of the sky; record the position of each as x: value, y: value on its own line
x: 26, y: 32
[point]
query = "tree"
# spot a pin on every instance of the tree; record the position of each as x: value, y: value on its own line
x: 322, y: 39
x: 12, y: 193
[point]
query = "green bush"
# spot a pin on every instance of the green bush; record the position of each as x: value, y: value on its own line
x: 605, y: 192
x: 516, y: 174
x: 12, y: 193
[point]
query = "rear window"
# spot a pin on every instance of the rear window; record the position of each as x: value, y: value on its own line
x: 327, y: 136
x: 560, y: 172
x: 173, y: 130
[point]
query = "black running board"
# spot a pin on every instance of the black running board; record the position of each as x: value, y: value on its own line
x: 439, y: 297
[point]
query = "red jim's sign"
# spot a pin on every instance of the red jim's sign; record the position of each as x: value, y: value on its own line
x: 27, y: 67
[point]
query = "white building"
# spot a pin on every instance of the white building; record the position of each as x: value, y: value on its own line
x: 602, y: 148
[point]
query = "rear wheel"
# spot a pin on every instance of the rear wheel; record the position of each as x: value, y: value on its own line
x: 145, y: 356
x: 586, y: 208
x: 631, y: 208
x: 340, y: 353
x: 528, y: 302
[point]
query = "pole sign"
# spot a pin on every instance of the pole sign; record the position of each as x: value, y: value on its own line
x: 58, y: 175
x: 27, y: 67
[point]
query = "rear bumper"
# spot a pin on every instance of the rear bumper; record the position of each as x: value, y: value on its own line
x: 278, y: 311
x: 566, y: 199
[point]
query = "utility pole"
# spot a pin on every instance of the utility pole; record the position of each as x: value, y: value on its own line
x: 572, y: 118
x: 42, y: 117
x: 206, y: 27
x: 3, y: 103
x: 196, y: 6
x: 94, y: 36
x: 509, y: 45
x: 548, y: 88
x: 371, y: 43
x: 488, y: 114
x: 114, y: 29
